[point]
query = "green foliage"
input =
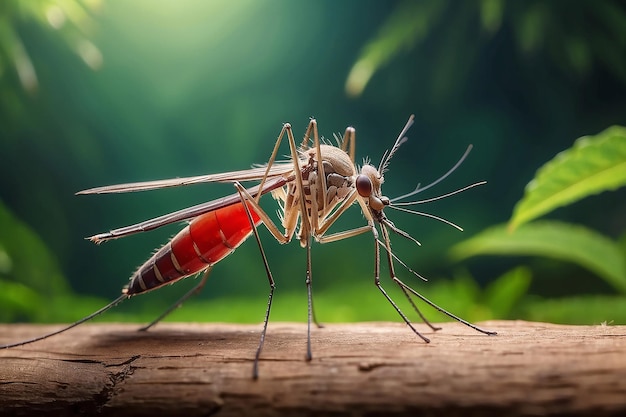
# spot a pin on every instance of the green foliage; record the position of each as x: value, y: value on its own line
x: 26, y: 259
x: 504, y: 298
x: 538, y: 26
x: 505, y: 293
x: 17, y: 301
x: 552, y: 239
x: 363, y: 302
x: 587, y: 309
x: 594, y: 164
x: 69, y: 20
x: 27, y: 270
x: 407, y: 25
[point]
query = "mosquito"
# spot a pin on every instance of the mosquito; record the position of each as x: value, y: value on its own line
x: 314, y: 188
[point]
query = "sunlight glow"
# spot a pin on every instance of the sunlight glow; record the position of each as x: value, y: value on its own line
x: 90, y: 54
x: 56, y: 17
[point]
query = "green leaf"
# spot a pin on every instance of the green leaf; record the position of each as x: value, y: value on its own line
x: 18, y: 301
x: 27, y: 268
x: 408, y: 24
x: 491, y: 13
x: 592, y: 165
x: 503, y: 293
x: 599, y: 309
x: 555, y: 240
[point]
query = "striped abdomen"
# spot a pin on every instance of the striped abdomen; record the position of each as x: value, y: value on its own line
x: 206, y: 240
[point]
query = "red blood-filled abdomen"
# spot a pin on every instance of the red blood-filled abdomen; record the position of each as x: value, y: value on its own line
x: 207, y: 239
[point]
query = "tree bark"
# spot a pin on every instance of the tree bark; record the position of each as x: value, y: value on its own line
x: 357, y: 369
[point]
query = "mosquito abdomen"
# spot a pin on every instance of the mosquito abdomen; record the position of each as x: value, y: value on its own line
x: 207, y: 240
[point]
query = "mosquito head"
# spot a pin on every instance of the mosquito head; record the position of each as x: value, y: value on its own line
x: 368, y: 185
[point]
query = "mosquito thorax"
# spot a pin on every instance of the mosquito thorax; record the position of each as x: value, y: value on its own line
x: 334, y: 160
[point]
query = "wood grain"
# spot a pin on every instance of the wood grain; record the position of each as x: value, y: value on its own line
x: 529, y: 369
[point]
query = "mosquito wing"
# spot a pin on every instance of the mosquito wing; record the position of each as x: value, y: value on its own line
x: 277, y: 170
x: 187, y: 213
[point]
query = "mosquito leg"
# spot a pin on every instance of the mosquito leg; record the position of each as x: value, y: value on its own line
x: 317, y: 323
x: 408, y: 297
x: 195, y: 290
x: 287, y: 129
x: 315, y: 320
x: 405, y: 318
x: 257, y: 355
x: 349, y: 142
x: 290, y: 212
x: 382, y: 290
x: 392, y: 272
x: 66, y: 328
x: 270, y: 162
x: 309, y: 354
x: 406, y: 289
x: 441, y: 310
x: 270, y: 278
x: 417, y: 310
x: 309, y: 292
x: 305, y: 223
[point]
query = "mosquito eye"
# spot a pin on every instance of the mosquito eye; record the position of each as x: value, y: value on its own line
x: 363, y: 186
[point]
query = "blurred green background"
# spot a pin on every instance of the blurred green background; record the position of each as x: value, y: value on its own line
x: 98, y: 92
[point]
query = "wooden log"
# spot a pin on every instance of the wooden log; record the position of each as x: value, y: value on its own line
x: 529, y: 369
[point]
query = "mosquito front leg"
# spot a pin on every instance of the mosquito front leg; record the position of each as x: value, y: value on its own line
x: 442, y: 310
x: 345, y: 204
x: 360, y: 230
x: 392, y: 273
x: 327, y: 223
x: 418, y: 311
x: 322, y: 238
x: 406, y: 288
x: 382, y: 290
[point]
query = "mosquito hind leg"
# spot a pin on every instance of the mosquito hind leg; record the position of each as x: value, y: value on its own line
x: 70, y: 326
x: 195, y: 290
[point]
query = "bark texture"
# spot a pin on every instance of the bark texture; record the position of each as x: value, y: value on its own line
x: 529, y: 369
